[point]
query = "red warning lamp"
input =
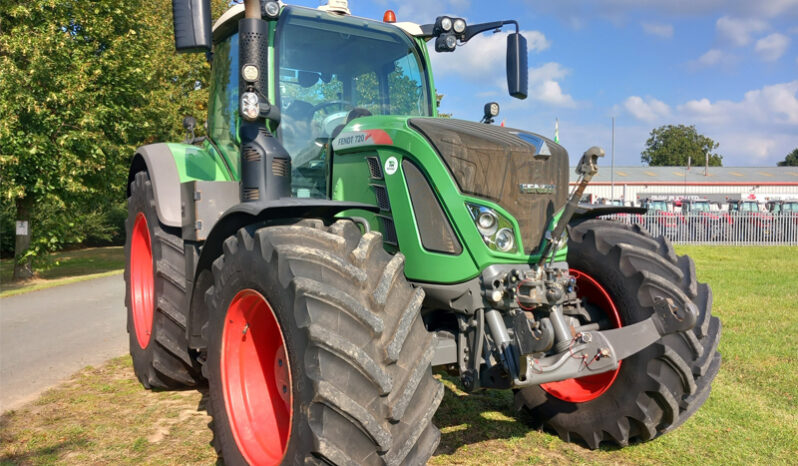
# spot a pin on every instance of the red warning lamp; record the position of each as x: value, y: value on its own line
x: 389, y: 17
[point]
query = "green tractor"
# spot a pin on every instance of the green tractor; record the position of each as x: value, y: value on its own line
x: 333, y: 239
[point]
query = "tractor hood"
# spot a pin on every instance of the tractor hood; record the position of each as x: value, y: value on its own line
x: 523, y: 172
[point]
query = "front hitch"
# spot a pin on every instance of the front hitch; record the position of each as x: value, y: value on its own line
x: 595, y: 352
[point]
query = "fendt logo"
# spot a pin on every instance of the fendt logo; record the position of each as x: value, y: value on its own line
x: 530, y: 188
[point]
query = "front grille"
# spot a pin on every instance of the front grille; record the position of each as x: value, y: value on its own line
x: 388, y: 231
x: 375, y: 170
x: 382, y: 197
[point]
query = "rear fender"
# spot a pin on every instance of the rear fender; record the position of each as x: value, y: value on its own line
x: 170, y: 164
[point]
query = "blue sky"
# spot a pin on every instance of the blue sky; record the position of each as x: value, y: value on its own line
x: 730, y: 67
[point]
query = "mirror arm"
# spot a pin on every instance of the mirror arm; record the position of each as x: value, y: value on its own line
x: 471, y: 30
x: 475, y: 29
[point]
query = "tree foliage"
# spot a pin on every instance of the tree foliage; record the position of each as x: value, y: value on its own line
x: 672, y: 146
x: 791, y: 160
x: 83, y: 83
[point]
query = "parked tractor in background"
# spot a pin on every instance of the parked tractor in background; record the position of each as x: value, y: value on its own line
x: 703, y: 223
x: 333, y: 239
x: 665, y: 221
x: 751, y: 220
x: 785, y: 217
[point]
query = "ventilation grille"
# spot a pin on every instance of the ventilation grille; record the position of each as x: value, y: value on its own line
x: 251, y: 154
x: 280, y: 167
x: 251, y: 194
x: 382, y: 197
x: 374, y: 168
x: 389, y: 231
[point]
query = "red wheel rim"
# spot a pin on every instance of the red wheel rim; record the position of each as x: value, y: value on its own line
x: 141, y: 280
x: 592, y: 386
x: 256, y: 379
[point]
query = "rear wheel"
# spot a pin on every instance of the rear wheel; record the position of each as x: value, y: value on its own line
x: 155, y: 295
x: 621, y: 269
x: 317, y: 351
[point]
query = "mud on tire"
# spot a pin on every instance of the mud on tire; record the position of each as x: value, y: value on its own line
x: 657, y: 389
x: 164, y: 361
x: 362, y: 391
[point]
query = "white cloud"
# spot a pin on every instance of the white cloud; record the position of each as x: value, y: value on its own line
x: 772, y: 105
x: 737, y: 31
x: 483, y: 56
x: 578, y: 12
x: 544, y: 85
x: 713, y: 57
x: 772, y: 47
x: 648, y: 109
x: 758, y: 129
x: 656, y: 29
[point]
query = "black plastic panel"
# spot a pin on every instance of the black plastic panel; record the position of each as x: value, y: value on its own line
x: 436, y: 232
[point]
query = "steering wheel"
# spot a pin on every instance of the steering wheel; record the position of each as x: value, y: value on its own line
x: 330, y: 103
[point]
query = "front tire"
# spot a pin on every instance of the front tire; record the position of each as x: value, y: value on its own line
x: 358, y: 387
x: 657, y: 389
x: 155, y: 295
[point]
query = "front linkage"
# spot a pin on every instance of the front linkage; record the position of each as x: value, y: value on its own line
x: 533, y: 335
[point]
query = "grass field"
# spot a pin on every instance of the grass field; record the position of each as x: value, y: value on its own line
x: 103, y: 415
x: 64, y: 267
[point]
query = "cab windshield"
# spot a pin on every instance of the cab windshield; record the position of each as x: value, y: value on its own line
x: 657, y: 206
x: 333, y: 69
x: 750, y: 207
x: 698, y: 207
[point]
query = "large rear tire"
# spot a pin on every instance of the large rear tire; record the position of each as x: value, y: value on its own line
x: 356, y: 386
x: 155, y: 295
x: 657, y: 389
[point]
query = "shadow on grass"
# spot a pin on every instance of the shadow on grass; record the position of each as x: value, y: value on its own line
x: 466, y: 419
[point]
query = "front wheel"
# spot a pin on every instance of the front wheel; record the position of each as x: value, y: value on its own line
x: 620, y: 269
x: 156, y: 295
x: 317, y: 352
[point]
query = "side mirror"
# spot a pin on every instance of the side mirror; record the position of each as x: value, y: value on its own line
x: 517, y: 69
x: 192, y: 22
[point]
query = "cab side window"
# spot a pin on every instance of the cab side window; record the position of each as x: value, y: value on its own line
x: 222, y: 108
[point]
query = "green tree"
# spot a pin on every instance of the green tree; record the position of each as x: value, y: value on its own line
x: 83, y: 83
x: 672, y: 146
x: 791, y: 160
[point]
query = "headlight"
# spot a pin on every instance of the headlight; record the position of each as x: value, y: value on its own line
x: 487, y: 223
x: 505, y: 240
x: 459, y: 26
x: 451, y: 42
x: 271, y: 9
x: 250, y: 106
x: 446, y: 23
x: 495, y: 229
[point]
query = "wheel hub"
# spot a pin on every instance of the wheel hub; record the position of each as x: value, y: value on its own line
x: 582, y: 389
x: 141, y: 281
x: 256, y: 379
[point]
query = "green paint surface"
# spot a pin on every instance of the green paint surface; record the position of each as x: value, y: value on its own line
x: 349, y: 180
x: 199, y: 163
